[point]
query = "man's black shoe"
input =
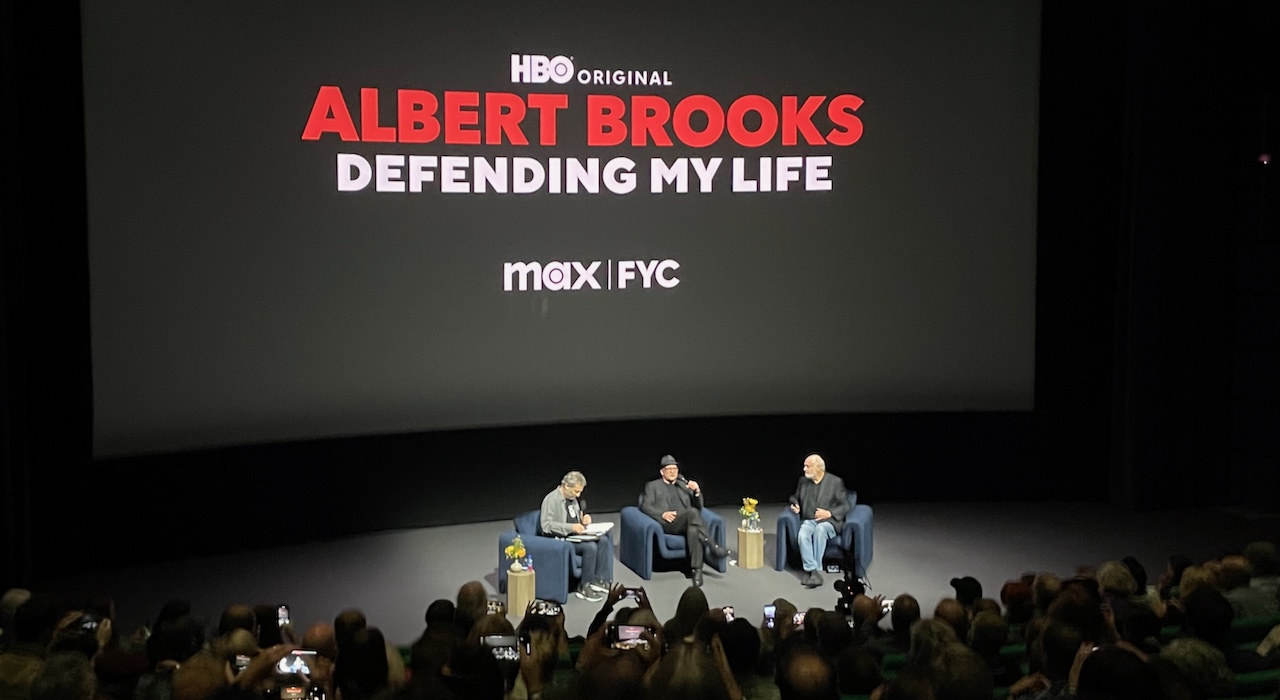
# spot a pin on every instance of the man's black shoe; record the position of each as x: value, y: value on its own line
x: 697, y: 579
x: 717, y: 551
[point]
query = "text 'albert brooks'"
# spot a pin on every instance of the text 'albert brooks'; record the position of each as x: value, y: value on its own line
x: 574, y: 275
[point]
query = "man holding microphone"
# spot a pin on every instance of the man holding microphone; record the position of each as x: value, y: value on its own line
x: 676, y: 503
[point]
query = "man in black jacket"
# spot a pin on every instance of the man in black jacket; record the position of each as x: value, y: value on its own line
x: 676, y: 503
x: 822, y: 503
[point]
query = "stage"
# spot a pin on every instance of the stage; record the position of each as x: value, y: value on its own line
x: 919, y: 547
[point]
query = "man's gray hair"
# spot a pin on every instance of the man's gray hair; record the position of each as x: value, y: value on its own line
x: 574, y: 479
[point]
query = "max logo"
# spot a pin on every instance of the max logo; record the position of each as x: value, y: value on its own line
x: 573, y: 275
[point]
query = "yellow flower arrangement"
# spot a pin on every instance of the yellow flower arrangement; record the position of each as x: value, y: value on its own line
x: 515, y: 550
x: 748, y: 509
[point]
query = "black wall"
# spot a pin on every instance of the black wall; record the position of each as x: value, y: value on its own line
x: 1140, y: 218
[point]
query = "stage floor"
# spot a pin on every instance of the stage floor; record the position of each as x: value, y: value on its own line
x: 919, y: 547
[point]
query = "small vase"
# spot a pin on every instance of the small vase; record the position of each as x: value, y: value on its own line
x: 517, y: 566
x: 753, y: 524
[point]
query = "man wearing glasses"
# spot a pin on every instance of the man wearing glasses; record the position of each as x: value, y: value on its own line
x: 562, y: 515
x: 676, y: 503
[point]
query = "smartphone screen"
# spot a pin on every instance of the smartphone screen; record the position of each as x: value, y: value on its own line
x: 546, y: 607
x: 503, y: 646
x: 282, y: 615
x: 769, y: 612
x: 728, y: 613
x: 627, y: 636
x: 798, y: 619
x: 298, y: 662
x: 495, y: 607
x: 631, y: 593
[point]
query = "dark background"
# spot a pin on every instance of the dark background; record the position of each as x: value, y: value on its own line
x: 1157, y: 334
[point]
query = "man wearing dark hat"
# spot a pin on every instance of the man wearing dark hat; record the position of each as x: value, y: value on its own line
x: 676, y: 503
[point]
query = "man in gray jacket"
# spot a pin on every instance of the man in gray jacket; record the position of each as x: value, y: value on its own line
x: 562, y: 516
x: 823, y: 503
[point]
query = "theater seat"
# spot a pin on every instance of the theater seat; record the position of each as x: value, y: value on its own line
x: 642, y: 542
x: 855, y: 537
x: 556, y: 564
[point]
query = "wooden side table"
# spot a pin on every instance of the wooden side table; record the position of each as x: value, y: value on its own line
x: 521, y: 589
x: 750, y: 549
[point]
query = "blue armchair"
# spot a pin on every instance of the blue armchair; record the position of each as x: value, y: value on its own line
x: 642, y: 540
x: 554, y: 561
x: 855, y: 537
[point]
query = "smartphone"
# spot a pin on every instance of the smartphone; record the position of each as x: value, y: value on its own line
x: 89, y: 622
x: 631, y: 593
x: 627, y: 636
x: 495, y: 607
x: 886, y: 606
x: 799, y: 619
x: 546, y: 607
x: 240, y: 663
x: 728, y: 613
x: 769, y: 612
x: 503, y: 646
x: 282, y: 615
x: 298, y: 662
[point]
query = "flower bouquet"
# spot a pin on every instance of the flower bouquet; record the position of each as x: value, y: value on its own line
x: 750, y: 516
x: 516, y: 553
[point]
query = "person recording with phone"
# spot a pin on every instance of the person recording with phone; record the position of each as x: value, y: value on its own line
x: 564, y: 514
x: 676, y: 503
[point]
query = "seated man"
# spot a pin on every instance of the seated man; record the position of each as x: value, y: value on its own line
x: 562, y: 515
x: 676, y: 503
x: 822, y: 503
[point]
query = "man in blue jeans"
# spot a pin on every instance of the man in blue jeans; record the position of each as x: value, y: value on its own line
x: 822, y: 503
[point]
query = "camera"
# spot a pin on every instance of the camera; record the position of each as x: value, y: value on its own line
x: 627, y: 636
x: 849, y: 588
x: 293, y: 675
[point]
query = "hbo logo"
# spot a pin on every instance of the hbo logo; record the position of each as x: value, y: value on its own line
x: 526, y: 68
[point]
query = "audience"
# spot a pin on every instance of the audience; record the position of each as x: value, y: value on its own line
x: 1098, y: 633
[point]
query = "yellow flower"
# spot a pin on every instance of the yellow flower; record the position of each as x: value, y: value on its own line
x: 515, y: 550
x: 749, y: 507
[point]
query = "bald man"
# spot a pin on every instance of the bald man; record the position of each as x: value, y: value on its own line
x: 822, y: 503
